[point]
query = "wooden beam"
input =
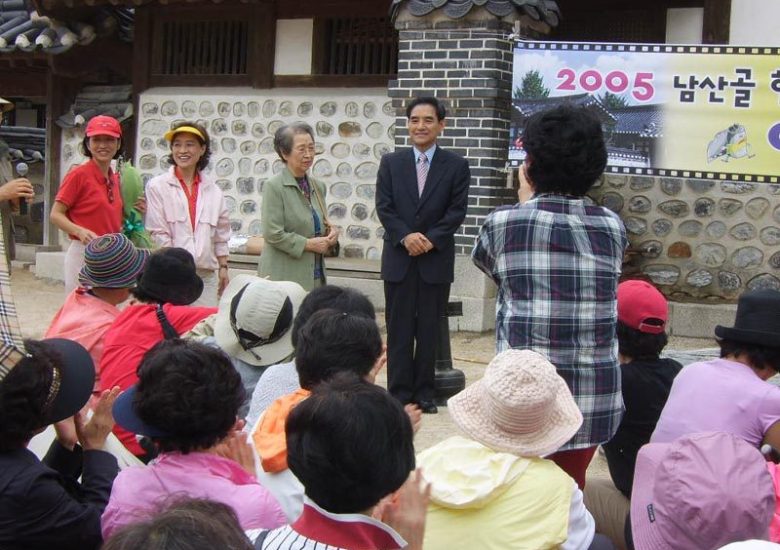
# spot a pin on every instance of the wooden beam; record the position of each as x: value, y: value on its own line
x: 262, y: 46
x: 331, y: 81
x: 301, y: 9
x: 24, y: 84
x: 103, y: 54
x: 717, y: 19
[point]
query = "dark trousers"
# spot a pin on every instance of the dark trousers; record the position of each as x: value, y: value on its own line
x: 412, y: 312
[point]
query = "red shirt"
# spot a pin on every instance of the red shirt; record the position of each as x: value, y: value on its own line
x: 134, y: 332
x: 192, y: 198
x: 86, y: 193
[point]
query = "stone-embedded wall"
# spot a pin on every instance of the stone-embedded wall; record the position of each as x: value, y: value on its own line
x: 699, y: 239
x: 469, y: 66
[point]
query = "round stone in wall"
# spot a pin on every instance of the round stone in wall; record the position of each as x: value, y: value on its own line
x: 380, y: 231
x: 322, y: 169
x: 177, y: 122
x: 248, y: 207
x: 639, y: 204
x: 367, y: 171
x: 328, y: 108
x: 218, y: 127
x: 358, y: 232
x: 679, y: 249
x: 319, y: 148
x: 236, y: 225
x: 150, y: 109
x: 674, y: 208
x: 344, y: 170
x: 258, y: 130
x: 747, y: 257
x: 244, y: 166
x: 189, y: 109
x: 154, y: 127
x: 305, y: 109
x: 228, y: 145
x: 164, y: 164
x: 277, y: 166
x: 617, y: 182
x: 391, y: 133
x: 253, y: 109
x: 774, y: 188
x: 369, y: 109
x: 144, y: 177
x: 613, y: 201
x: 699, y: 278
x: 774, y: 260
x: 266, y: 146
x: 230, y: 204
x: 716, y: 229
x: 375, y: 130
x: 635, y: 226
x: 650, y: 249
x: 223, y: 109
x: 703, y: 207
x: 351, y: 109
x: 661, y: 227
x: 353, y: 251
x: 248, y: 147
x: 269, y: 108
x: 598, y: 183
x: 729, y: 207
x: 255, y: 227
x: 729, y: 281
x: 341, y: 190
x: 387, y: 108
x: 765, y: 281
x: 373, y: 253
x: 662, y: 274
x: 770, y: 236
x: 245, y: 186
x: 286, y: 108
x: 239, y: 109
x: 225, y: 167
x: 361, y: 151
x: 711, y: 254
x: 359, y: 212
x: 755, y: 208
x: 366, y: 191
x: 206, y: 109
x: 380, y: 150
x: 147, y: 144
x: 337, y: 211
x: 690, y: 228
x: 350, y: 129
x: 147, y: 162
x: 238, y: 127
x: 324, y: 129
x: 261, y: 167
x: 340, y: 150
x: 169, y: 108
x: 274, y: 125
x: 224, y: 184
x: 737, y: 187
x: 671, y: 186
x: 743, y: 231
x: 163, y: 144
x: 640, y: 183
x: 699, y: 186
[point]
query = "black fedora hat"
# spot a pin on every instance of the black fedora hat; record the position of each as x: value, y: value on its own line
x: 72, y: 380
x: 757, y: 321
x: 170, y: 278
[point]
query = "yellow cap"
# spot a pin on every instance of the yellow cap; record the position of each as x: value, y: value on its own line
x: 184, y: 130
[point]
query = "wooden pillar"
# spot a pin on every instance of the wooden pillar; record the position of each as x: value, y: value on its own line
x: 717, y: 17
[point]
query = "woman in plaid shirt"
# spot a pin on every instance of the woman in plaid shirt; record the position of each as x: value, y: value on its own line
x: 556, y: 259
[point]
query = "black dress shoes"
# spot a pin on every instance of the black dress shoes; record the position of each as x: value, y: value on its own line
x: 428, y: 407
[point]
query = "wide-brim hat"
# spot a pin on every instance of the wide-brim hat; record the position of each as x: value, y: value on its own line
x: 521, y: 406
x: 112, y: 261
x: 6, y: 105
x: 72, y: 380
x: 126, y: 416
x: 170, y: 277
x: 757, y: 321
x: 258, y: 307
x: 700, y: 491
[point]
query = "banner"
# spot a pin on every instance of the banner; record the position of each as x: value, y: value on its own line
x: 708, y: 112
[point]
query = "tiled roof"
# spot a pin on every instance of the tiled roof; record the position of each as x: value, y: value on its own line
x: 640, y: 120
x: 526, y: 107
x: 27, y: 144
x: 115, y: 101
x: 22, y: 29
x: 546, y: 11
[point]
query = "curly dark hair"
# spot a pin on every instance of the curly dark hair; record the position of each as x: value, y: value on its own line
x: 760, y: 357
x: 204, y: 160
x: 640, y: 345
x: 87, y: 153
x: 566, y: 150
x: 23, y: 396
x: 190, y: 391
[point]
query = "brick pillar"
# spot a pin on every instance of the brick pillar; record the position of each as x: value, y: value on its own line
x: 468, y: 65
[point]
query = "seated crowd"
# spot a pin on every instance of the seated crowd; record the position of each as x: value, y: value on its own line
x: 260, y: 424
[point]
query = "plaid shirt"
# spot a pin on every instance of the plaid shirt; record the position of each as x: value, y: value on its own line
x: 556, y: 261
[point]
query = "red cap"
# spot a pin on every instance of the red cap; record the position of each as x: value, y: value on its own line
x: 103, y: 125
x: 638, y: 302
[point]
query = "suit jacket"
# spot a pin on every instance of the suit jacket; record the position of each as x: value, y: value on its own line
x: 437, y: 214
x: 287, y: 223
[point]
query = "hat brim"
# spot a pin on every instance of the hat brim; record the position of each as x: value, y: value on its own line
x: 126, y: 417
x: 77, y: 378
x: 467, y: 409
x: 126, y: 280
x: 104, y: 132
x: 757, y: 337
x: 645, y: 520
x: 170, y: 134
x: 183, y: 294
x: 269, y: 354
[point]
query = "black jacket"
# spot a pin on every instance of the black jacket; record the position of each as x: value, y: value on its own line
x: 43, y: 506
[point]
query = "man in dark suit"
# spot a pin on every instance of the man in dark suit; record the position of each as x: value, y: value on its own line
x: 421, y: 198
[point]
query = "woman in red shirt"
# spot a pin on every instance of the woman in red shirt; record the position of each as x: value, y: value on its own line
x: 89, y: 202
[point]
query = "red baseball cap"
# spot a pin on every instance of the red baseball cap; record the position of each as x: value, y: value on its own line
x: 639, y: 302
x: 103, y: 125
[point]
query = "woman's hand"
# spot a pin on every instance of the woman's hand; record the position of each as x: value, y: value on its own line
x: 318, y: 245
x: 406, y: 509
x: 84, y: 235
x: 92, y: 433
x: 236, y: 447
x: 140, y: 205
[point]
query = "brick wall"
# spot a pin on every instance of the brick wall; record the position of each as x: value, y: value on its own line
x: 470, y: 69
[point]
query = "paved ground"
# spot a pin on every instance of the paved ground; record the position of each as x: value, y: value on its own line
x: 38, y: 300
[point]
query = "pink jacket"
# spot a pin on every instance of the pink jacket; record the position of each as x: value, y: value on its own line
x: 138, y: 492
x: 168, y: 218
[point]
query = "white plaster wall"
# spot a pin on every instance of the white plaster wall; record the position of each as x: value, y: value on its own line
x: 755, y: 23
x: 353, y: 129
x: 684, y: 25
x: 293, y: 46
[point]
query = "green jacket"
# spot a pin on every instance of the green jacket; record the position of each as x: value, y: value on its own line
x: 287, y: 223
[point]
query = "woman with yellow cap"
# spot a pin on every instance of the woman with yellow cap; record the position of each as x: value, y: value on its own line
x: 186, y: 209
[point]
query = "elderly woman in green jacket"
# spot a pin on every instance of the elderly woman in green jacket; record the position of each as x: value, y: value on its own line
x: 293, y: 214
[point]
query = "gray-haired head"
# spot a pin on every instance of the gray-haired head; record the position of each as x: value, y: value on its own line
x: 284, y: 137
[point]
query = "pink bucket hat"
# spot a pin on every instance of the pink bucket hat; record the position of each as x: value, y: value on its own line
x: 521, y: 406
x: 700, y: 491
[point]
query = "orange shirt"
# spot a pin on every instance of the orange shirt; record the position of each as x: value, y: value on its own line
x: 94, y: 201
x: 192, y: 198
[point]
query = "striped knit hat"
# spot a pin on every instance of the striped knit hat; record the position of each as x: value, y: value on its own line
x: 112, y: 261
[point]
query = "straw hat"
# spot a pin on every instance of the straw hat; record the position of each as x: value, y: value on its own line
x: 521, y: 406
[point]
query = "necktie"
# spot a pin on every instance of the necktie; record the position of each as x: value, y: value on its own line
x: 422, y: 173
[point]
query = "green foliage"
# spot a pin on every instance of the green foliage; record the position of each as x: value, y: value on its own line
x: 532, y: 86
